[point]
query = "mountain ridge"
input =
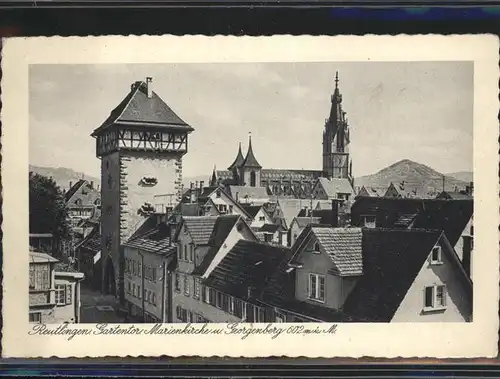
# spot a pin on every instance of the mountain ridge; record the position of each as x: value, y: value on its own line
x: 413, y: 174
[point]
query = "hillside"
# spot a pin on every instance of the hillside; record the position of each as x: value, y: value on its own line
x: 63, y: 175
x: 414, y: 175
x: 466, y: 176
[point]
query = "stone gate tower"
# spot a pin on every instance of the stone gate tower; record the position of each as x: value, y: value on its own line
x: 140, y: 145
x: 336, y: 139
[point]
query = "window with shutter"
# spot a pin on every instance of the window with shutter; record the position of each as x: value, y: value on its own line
x: 238, y: 311
x: 69, y: 294
x: 429, y: 297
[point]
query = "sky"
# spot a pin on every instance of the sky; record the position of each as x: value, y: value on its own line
x: 397, y: 110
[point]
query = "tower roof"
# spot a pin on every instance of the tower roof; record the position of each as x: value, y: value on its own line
x: 139, y: 109
x: 250, y: 160
x: 238, y: 161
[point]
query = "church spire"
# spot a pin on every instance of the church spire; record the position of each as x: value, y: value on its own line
x: 213, y: 179
x: 238, y: 161
x: 250, y: 160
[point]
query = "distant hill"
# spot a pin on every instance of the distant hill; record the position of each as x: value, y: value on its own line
x: 414, y: 175
x: 466, y: 176
x: 63, y: 176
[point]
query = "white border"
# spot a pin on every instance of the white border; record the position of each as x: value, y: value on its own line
x: 450, y: 340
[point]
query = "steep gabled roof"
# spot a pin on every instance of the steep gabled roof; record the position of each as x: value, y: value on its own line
x: 302, y: 222
x: 392, y: 258
x: 221, y: 230
x: 451, y: 216
x: 247, y: 265
x: 137, y: 109
x: 68, y: 195
x: 200, y: 228
x: 344, y: 247
x: 334, y: 186
x: 156, y: 240
x: 252, y: 210
x: 238, y: 160
x: 250, y: 160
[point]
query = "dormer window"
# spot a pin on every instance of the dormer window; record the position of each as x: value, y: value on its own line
x: 316, y: 248
x: 436, y: 255
x: 148, y: 181
x: 368, y: 221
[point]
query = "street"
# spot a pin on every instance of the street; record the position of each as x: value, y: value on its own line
x: 97, y: 307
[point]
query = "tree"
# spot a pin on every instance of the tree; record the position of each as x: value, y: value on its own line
x: 48, y: 212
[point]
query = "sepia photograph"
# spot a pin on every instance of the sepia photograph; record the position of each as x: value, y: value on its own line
x: 292, y: 197
x: 279, y: 192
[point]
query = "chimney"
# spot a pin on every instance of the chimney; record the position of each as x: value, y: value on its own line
x: 201, y: 185
x: 70, y: 184
x: 149, y: 86
x: 92, y: 184
x: 335, y: 213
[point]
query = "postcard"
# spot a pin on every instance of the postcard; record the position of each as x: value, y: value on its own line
x: 226, y: 196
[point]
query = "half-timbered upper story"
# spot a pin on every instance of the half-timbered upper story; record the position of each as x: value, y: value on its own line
x: 142, y: 122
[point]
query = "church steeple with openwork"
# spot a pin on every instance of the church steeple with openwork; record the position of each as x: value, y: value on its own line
x: 336, y: 139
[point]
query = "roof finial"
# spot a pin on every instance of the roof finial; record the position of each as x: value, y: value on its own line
x: 336, y: 79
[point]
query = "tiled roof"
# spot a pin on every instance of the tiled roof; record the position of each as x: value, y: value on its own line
x: 245, y: 192
x: 155, y: 241
x: 405, y: 220
x: 221, y: 230
x: 252, y: 210
x: 37, y: 257
x: 325, y: 216
x: 343, y: 245
x: 374, y: 191
x: 247, y: 265
x: 336, y: 185
x: 392, y: 258
x: 290, y: 208
x: 287, y: 174
x: 224, y: 174
x: 93, y: 241
x: 451, y: 216
x: 320, y: 205
x: 449, y: 195
x: 137, y: 108
x: 200, y: 228
x: 302, y: 222
x: 269, y: 228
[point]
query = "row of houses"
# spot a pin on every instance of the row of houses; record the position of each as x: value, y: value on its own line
x: 405, y: 190
x: 374, y: 260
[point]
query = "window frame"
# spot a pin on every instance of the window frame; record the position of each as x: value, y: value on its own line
x: 316, y: 248
x: 32, y: 314
x: 60, y: 299
x: 177, y: 282
x: 186, y: 285
x: 196, y: 288
x: 439, y: 259
x: 317, y: 288
x: 366, y: 224
x: 438, y: 301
